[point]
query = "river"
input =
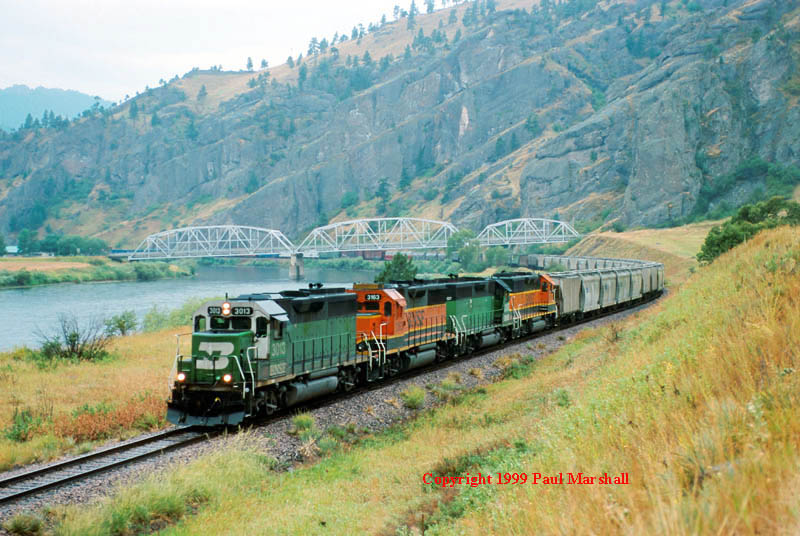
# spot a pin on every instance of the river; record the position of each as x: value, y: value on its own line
x: 25, y: 313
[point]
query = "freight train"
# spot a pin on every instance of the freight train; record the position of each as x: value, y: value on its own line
x: 258, y: 353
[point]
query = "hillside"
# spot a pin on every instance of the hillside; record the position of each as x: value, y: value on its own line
x: 635, y: 111
x: 17, y: 101
x: 676, y: 248
x: 694, y: 403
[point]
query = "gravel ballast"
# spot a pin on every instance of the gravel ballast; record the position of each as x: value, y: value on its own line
x: 367, y: 411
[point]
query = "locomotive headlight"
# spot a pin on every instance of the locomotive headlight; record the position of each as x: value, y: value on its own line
x: 181, y: 376
x: 227, y: 378
x: 226, y: 309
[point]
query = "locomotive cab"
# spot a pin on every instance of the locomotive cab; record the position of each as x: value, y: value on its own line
x: 380, y: 315
x: 230, y: 340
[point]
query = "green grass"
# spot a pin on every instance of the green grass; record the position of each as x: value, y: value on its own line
x: 145, y: 271
x: 413, y: 397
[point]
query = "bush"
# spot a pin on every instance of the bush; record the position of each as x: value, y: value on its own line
x: 157, y: 319
x: 23, y: 425
x: 749, y: 220
x: 413, y: 397
x: 121, y: 324
x: 73, y: 342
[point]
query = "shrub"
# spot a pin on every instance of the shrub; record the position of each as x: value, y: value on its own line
x: 23, y: 425
x: 73, y: 342
x: 749, y: 220
x: 413, y: 397
x: 121, y: 324
x: 157, y: 319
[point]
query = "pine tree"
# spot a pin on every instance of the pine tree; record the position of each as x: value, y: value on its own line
x: 264, y: 64
x: 302, y: 75
x: 400, y: 268
x: 2, y: 245
x: 412, y: 16
x: 429, y: 6
x: 202, y: 93
x: 382, y: 194
x: 290, y: 62
x: 249, y: 63
x: 133, y: 110
x: 407, y: 53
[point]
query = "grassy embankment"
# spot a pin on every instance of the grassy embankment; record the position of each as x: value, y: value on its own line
x: 675, y: 247
x: 49, y: 409
x: 32, y: 271
x: 695, y: 398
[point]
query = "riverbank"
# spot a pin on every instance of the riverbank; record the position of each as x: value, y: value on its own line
x: 24, y: 272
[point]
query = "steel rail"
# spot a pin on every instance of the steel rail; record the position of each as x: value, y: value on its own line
x: 39, y: 480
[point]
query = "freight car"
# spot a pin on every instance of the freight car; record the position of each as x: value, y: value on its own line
x: 258, y: 353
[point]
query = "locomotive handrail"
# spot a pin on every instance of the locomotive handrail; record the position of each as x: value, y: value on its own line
x: 244, y: 381
x: 250, y: 365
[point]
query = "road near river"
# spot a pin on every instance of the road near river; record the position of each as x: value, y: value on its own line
x: 26, y: 312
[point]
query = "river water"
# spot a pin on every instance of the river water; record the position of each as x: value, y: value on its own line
x: 24, y: 313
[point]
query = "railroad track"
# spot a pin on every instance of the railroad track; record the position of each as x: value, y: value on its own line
x: 58, y: 474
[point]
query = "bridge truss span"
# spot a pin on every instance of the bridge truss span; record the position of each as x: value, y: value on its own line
x: 527, y: 231
x: 377, y: 234
x: 213, y: 241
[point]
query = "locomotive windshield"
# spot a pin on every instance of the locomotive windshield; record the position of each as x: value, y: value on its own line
x: 235, y: 322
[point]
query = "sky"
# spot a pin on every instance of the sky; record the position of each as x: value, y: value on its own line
x: 111, y: 48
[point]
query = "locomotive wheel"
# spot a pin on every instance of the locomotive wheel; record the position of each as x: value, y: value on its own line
x: 347, y: 379
x: 272, y: 403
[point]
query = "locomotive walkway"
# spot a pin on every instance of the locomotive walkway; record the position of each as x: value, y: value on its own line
x: 376, y: 234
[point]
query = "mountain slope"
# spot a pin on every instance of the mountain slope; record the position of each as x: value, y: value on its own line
x: 17, y: 101
x: 615, y: 110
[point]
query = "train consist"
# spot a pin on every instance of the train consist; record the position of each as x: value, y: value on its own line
x: 258, y: 353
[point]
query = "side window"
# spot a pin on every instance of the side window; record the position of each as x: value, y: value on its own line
x: 387, y: 309
x: 277, y: 329
x: 261, y: 326
x: 199, y: 323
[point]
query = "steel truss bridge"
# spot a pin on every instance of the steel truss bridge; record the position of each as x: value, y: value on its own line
x: 376, y: 234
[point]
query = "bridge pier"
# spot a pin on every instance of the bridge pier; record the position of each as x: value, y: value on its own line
x: 296, y: 268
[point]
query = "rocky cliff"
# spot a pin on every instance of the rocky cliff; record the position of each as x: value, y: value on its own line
x: 588, y: 110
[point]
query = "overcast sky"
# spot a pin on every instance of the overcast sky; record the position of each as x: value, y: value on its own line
x: 112, y: 47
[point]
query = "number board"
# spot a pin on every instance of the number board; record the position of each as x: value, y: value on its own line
x: 214, y: 310
x: 241, y: 311
x: 373, y: 297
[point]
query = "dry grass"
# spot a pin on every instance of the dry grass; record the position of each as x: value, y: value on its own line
x: 86, y: 401
x: 675, y: 247
x: 697, y: 400
x: 40, y: 264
